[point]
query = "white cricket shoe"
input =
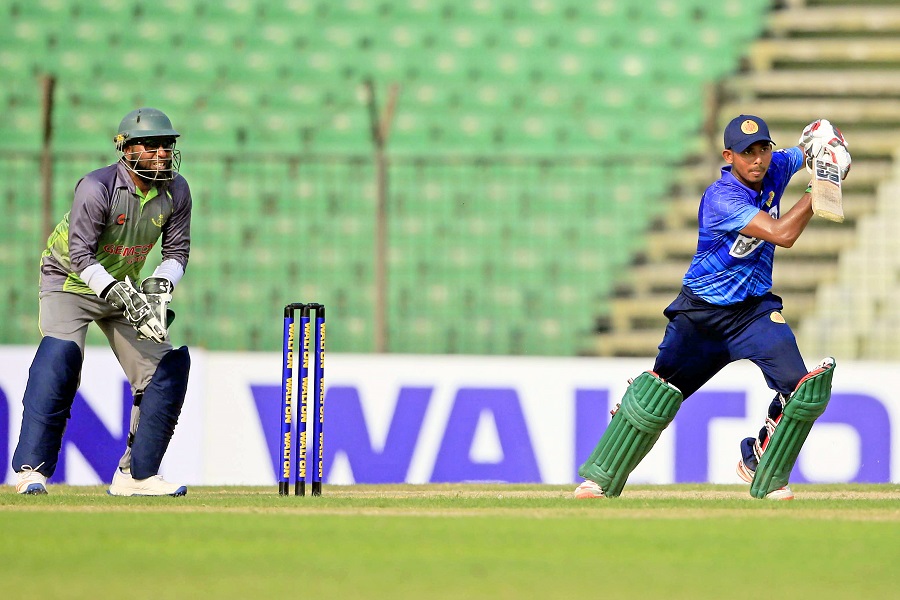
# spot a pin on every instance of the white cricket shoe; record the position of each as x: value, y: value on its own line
x: 589, y: 489
x: 29, y: 481
x: 744, y: 472
x: 123, y: 484
x: 783, y: 493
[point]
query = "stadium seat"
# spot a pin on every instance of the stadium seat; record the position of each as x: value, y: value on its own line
x: 484, y: 210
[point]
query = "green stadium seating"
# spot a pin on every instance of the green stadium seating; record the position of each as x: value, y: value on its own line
x: 513, y: 202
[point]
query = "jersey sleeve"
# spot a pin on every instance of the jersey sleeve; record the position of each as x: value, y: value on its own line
x: 727, y: 209
x: 796, y: 159
x: 786, y: 163
x: 176, y: 234
x: 87, y: 220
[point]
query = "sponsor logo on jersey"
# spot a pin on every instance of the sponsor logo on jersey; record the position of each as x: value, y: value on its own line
x: 743, y: 246
x: 121, y: 219
x: 141, y: 250
x: 158, y: 221
x: 130, y: 254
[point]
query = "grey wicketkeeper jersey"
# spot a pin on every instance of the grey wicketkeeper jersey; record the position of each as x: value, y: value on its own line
x: 112, y: 224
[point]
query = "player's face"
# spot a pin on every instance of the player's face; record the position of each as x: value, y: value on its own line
x: 152, y: 158
x: 750, y: 166
x: 152, y: 155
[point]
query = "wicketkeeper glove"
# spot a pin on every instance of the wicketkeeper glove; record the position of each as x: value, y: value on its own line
x: 124, y: 296
x: 158, y: 291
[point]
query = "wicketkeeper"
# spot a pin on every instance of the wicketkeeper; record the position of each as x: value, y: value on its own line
x: 727, y: 312
x: 89, y: 271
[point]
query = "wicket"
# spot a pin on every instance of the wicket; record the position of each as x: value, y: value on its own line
x: 288, y: 377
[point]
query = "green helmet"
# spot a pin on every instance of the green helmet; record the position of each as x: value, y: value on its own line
x: 144, y: 123
x: 141, y: 125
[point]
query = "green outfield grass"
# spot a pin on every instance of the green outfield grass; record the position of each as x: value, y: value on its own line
x: 453, y: 541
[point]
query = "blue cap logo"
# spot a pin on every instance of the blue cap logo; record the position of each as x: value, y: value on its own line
x: 744, y: 130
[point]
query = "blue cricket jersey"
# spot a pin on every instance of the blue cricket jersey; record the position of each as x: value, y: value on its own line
x: 729, y: 267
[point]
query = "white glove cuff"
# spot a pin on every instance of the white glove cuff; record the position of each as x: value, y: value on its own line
x: 171, y: 269
x: 97, y: 278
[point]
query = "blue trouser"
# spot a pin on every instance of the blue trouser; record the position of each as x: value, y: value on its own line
x: 701, y: 339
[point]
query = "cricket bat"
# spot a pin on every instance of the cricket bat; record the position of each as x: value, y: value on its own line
x: 827, y: 198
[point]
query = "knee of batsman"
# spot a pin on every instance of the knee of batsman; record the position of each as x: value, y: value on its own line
x: 650, y: 403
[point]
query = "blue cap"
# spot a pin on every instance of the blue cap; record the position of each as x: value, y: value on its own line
x: 744, y: 130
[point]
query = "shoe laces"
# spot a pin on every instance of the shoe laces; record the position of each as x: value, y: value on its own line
x: 156, y: 477
x: 29, y: 469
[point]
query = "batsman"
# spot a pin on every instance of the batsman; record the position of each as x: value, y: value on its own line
x: 89, y: 271
x: 726, y: 312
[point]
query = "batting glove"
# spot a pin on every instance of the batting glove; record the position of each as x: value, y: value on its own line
x: 821, y: 129
x: 838, y: 154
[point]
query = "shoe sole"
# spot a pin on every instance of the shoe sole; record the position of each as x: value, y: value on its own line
x: 588, y: 493
x: 182, y: 491
x: 588, y: 496
x: 780, y: 494
x: 747, y: 475
x: 744, y: 473
x: 34, y: 489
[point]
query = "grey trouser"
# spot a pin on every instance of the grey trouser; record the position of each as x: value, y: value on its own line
x: 66, y: 316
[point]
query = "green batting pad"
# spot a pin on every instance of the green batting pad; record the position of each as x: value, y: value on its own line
x: 805, y: 405
x: 647, y: 408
